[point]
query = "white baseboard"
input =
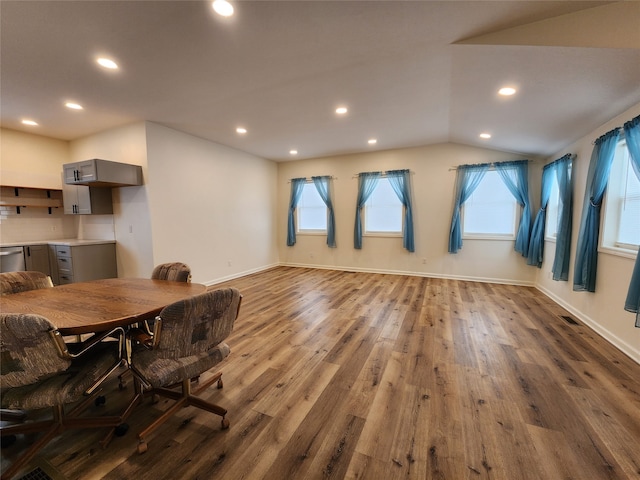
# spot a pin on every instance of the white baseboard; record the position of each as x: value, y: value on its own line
x: 240, y: 274
x: 413, y: 274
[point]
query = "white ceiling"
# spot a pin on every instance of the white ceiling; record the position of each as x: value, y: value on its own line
x: 411, y: 72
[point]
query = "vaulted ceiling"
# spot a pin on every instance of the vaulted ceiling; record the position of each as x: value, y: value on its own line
x: 410, y: 72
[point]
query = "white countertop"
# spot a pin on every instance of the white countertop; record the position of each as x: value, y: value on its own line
x: 68, y: 242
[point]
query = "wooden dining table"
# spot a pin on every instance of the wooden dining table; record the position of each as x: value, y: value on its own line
x: 100, y: 305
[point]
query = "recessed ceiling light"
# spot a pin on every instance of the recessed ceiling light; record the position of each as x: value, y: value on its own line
x: 341, y: 110
x: 372, y: 141
x: 241, y: 130
x: 29, y: 122
x: 73, y: 106
x: 107, y: 63
x: 293, y: 152
x: 507, y: 91
x: 222, y: 7
x: 485, y: 135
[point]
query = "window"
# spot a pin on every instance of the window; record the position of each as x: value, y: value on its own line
x: 383, y: 210
x: 621, y: 231
x: 553, y: 211
x: 490, y: 211
x: 311, y: 211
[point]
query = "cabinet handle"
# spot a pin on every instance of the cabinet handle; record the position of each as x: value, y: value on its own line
x: 28, y: 251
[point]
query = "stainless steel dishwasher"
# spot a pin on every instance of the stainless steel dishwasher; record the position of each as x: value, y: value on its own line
x: 11, y: 259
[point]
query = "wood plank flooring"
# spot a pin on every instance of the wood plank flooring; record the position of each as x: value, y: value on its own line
x: 338, y: 375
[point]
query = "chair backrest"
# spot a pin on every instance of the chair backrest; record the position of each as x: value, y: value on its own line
x: 28, y: 351
x: 197, y: 324
x: 16, y: 282
x: 174, y: 271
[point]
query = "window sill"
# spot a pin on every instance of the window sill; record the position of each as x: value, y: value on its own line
x: 619, y: 252
x: 312, y: 232
x: 383, y: 234
x: 508, y: 238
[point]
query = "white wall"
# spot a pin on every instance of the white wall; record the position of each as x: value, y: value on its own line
x: 211, y: 206
x: 130, y: 223
x: 603, y: 310
x: 432, y: 184
x: 33, y: 161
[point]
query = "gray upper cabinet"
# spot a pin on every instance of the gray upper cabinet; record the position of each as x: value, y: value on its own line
x: 102, y: 173
x: 82, y: 200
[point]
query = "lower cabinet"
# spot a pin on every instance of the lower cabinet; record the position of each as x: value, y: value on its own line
x: 81, y: 263
x: 36, y: 258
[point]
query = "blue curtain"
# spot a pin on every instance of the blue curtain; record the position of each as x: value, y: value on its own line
x: 297, y: 184
x: 468, y: 178
x: 367, y: 183
x: 322, y: 185
x: 399, y: 180
x: 516, y: 177
x: 536, y: 244
x: 586, y: 264
x: 632, y: 135
x: 560, y: 267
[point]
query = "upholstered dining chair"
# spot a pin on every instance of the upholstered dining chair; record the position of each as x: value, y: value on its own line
x: 174, y: 271
x: 39, y: 371
x: 188, y: 341
x: 16, y: 282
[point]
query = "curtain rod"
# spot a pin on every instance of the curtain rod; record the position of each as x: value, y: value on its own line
x: 492, y: 165
x: 571, y: 156
x: 382, y: 174
x: 310, y: 179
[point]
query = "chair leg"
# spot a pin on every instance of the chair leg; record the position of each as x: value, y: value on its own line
x: 53, y: 428
x: 184, y: 398
x: 22, y: 460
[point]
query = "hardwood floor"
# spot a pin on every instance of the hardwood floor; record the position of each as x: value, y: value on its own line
x: 365, y: 376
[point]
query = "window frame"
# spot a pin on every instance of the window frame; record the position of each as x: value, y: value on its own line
x: 375, y: 233
x: 610, y: 222
x: 517, y: 213
x: 300, y: 210
x: 554, y: 200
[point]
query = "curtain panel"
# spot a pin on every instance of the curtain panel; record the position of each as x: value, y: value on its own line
x: 632, y: 136
x: 322, y: 186
x: 560, y: 269
x: 399, y: 180
x: 367, y: 183
x: 586, y: 263
x: 297, y: 184
x: 516, y: 177
x: 536, y: 244
x: 468, y: 178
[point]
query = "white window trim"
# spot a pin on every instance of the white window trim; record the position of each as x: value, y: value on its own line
x: 382, y: 234
x: 300, y: 231
x: 619, y: 250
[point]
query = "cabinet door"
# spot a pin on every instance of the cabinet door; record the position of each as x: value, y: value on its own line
x: 69, y: 175
x: 87, y: 171
x: 70, y: 198
x: 79, y: 172
x: 37, y: 258
x: 84, y: 200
